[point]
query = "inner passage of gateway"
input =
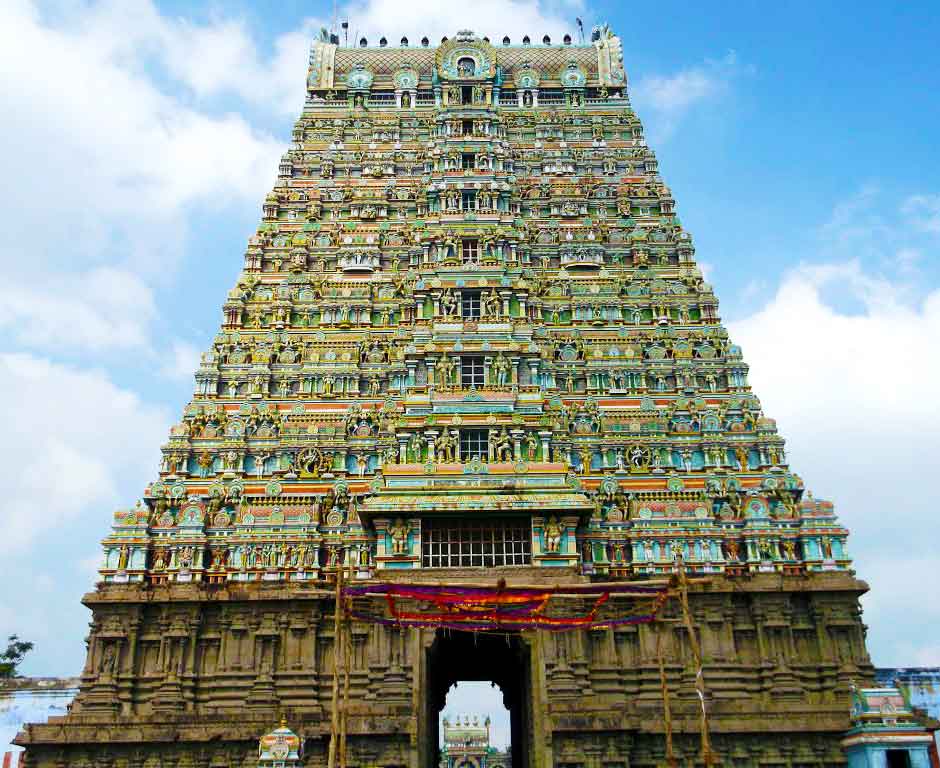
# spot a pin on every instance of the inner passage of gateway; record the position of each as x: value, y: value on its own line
x: 487, y: 675
x: 474, y: 727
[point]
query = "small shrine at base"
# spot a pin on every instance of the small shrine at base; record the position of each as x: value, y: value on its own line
x: 886, y: 732
x: 281, y: 748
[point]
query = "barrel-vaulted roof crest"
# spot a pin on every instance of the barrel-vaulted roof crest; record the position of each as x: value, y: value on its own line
x: 465, y: 57
x: 406, y: 78
x: 527, y: 76
x: 359, y: 78
x: 573, y: 76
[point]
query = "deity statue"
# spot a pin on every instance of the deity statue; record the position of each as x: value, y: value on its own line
x: 214, y: 505
x: 205, y: 461
x: 399, y: 534
x: 731, y: 549
x: 447, y: 370
x: 108, y: 659
x: 585, y: 461
x: 531, y: 446
x: 415, y: 448
x: 490, y: 305
x: 501, y: 445
x: 553, y: 534
x: 446, y: 446
x: 449, y: 304
x: 501, y: 369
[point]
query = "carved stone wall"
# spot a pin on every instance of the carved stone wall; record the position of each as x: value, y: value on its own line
x: 193, y: 675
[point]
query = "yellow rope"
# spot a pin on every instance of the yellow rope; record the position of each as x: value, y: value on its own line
x: 707, y: 756
x: 667, y: 709
x: 337, y: 651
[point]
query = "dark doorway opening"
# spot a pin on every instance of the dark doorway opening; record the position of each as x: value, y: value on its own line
x: 898, y: 758
x: 503, y: 659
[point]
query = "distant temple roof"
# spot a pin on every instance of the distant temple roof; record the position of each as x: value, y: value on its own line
x: 467, y: 732
x: 280, y: 748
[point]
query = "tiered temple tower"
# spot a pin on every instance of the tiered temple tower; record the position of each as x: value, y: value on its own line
x: 467, y: 745
x: 470, y: 341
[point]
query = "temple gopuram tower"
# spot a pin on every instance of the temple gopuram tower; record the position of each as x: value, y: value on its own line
x: 470, y: 346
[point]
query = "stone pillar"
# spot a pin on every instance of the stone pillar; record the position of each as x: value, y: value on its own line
x: 505, y: 296
x: 430, y: 435
x: 517, y: 435
x: 381, y: 540
x: 545, y: 439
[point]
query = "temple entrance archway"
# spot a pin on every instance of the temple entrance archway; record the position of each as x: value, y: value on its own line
x: 504, y: 659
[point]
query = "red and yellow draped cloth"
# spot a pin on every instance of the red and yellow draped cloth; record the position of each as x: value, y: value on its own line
x: 481, y: 609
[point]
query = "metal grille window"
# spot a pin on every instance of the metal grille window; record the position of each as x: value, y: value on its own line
x: 468, y: 200
x: 459, y: 543
x: 470, y: 250
x: 474, y: 442
x: 466, y: 161
x: 471, y: 371
x: 470, y: 304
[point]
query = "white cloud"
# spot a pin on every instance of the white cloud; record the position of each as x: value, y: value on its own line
x: 229, y: 61
x: 109, y: 161
x: 222, y: 57
x: 101, y: 309
x: 664, y: 100
x: 182, y: 361
x: 75, y: 442
x: 924, y: 211
x: 855, y: 396
x: 493, y: 18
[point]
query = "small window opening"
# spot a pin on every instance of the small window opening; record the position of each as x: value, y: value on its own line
x: 474, y: 443
x: 468, y: 200
x: 471, y: 371
x: 470, y: 304
x: 470, y: 252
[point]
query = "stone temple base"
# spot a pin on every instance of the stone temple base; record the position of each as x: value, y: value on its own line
x: 188, y: 675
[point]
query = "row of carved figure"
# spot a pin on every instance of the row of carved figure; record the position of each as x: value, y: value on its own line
x: 443, y: 446
x: 308, y: 554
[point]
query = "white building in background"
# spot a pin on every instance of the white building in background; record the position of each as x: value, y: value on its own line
x: 30, y: 700
x: 467, y: 745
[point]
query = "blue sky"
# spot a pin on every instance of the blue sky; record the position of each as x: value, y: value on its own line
x: 139, y: 138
